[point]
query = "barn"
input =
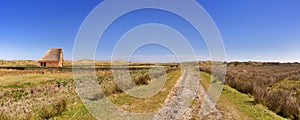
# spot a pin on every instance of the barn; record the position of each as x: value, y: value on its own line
x: 52, y: 58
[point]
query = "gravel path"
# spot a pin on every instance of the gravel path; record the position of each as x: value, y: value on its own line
x: 178, y: 103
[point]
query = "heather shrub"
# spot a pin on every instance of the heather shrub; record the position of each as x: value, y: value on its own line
x: 275, y: 85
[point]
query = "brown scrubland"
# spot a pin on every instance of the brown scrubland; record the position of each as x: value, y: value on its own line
x: 276, y: 85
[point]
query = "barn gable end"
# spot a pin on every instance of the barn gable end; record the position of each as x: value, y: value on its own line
x: 52, y: 58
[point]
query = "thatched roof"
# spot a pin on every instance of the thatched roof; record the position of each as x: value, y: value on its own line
x: 53, y: 54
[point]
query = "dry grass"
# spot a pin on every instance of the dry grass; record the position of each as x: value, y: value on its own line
x: 13, y: 72
x: 140, y: 77
x: 18, y: 63
x: 37, y: 102
x: 32, y: 94
x: 33, y: 78
x: 236, y: 106
x: 150, y: 104
x: 4, y: 116
x: 272, y: 84
x: 54, y: 109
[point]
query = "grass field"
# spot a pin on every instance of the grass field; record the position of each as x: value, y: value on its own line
x: 32, y: 94
x: 128, y: 103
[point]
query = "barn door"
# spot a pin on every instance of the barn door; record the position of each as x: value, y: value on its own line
x: 43, y: 64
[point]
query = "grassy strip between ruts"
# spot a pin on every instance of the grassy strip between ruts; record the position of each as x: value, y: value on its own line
x: 236, y: 105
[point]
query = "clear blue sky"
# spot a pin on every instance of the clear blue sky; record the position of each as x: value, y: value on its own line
x: 260, y: 30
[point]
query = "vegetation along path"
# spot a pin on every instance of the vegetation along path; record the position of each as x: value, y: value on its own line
x: 177, y: 104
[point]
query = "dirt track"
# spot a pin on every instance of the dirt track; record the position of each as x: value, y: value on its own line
x: 178, y: 104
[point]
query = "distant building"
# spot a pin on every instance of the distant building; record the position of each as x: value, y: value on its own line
x: 52, y: 58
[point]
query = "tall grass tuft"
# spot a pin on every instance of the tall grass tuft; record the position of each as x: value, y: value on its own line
x: 4, y: 116
x: 54, y: 109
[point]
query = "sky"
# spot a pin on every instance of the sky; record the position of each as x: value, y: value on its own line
x: 252, y: 30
